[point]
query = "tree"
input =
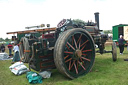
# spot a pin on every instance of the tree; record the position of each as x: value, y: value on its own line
x: 107, y: 31
x: 7, y: 40
x: 1, y: 39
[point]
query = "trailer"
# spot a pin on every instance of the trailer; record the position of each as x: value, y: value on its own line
x: 121, y: 29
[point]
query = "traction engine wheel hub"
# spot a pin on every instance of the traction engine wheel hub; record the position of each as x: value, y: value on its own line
x: 78, y: 53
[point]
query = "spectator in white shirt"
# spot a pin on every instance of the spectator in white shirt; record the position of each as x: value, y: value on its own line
x: 16, y: 54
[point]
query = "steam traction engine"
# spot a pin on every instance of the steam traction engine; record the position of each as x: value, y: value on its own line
x: 70, y: 47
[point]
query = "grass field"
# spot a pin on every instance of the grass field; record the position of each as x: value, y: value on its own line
x: 104, y: 72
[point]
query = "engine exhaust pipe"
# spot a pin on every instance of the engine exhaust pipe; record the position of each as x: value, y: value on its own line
x: 97, y: 19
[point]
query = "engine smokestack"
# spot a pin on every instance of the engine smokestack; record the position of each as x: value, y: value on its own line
x: 97, y: 19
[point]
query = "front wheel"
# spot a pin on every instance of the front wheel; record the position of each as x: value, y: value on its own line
x: 74, y: 53
x: 114, y: 51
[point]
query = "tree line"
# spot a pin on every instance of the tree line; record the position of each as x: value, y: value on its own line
x: 6, y: 40
x: 107, y: 31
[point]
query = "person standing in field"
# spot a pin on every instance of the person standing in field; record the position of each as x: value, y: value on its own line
x: 2, y: 48
x: 10, y: 49
x: 16, y: 54
x: 121, y: 44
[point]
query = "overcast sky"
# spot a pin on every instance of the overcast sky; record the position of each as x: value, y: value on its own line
x: 15, y: 15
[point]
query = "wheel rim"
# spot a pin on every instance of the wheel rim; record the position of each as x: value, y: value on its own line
x: 114, y: 51
x: 23, y: 48
x: 78, y: 54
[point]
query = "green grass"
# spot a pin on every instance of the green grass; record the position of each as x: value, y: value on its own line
x: 104, y: 72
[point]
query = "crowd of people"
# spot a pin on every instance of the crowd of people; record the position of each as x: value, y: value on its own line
x: 2, y: 48
x: 14, y: 48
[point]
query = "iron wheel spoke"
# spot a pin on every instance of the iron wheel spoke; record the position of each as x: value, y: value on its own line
x: 79, y: 38
x: 72, y: 64
x: 70, y: 45
x: 68, y: 60
x: 69, y: 65
x: 68, y: 52
x: 67, y: 47
x: 79, y: 44
x: 82, y: 65
x: 85, y: 59
x: 76, y: 68
x: 83, y: 47
x: 75, y: 41
x: 86, y: 50
x: 84, y: 43
x: 66, y: 56
x: 82, y: 61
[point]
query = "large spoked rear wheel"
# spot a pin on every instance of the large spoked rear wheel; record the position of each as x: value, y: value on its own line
x: 24, y: 50
x: 114, y: 51
x: 74, y: 53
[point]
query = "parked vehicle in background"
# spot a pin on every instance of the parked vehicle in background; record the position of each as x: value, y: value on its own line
x: 121, y: 29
